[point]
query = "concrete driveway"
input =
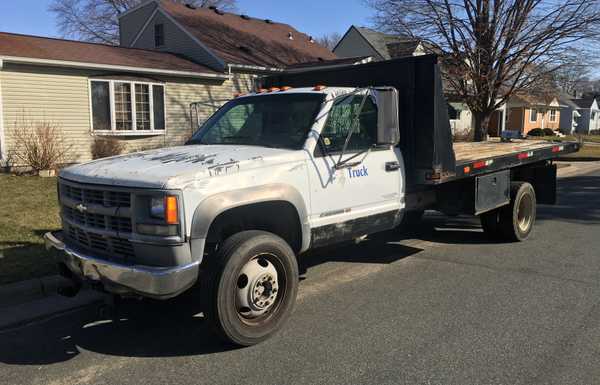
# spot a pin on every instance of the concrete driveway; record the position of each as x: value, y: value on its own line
x: 441, y: 306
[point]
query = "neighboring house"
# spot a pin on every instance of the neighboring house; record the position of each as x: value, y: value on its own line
x: 172, y: 56
x: 361, y: 41
x: 223, y: 41
x: 589, y: 120
x: 523, y: 113
x: 569, y: 116
x: 461, y: 119
x: 94, y: 90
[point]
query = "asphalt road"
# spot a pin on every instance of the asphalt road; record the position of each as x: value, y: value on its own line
x: 441, y: 306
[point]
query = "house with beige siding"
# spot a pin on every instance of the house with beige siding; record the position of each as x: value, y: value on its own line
x: 176, y: 64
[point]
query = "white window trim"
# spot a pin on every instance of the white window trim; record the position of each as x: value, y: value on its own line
x: 134, y: 131
x: 550, y: 119
x: 531, y: 115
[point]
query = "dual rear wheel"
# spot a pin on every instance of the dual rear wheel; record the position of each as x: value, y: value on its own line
x: 513, y: 222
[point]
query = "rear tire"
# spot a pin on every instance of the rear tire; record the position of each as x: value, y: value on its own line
x: 490, y: 222
x: 250, y: 287
x: 410, y: 220
x: 516, y: 220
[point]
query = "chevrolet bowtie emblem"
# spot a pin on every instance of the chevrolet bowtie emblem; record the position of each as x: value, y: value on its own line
x: 81, y: 208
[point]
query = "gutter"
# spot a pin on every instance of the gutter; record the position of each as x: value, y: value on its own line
x: 255, y: 68
x: 97, y: 66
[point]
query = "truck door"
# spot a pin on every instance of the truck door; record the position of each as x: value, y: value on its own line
x: 362, y: 195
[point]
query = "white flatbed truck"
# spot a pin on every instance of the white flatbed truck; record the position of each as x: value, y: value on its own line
x: 273, y: 174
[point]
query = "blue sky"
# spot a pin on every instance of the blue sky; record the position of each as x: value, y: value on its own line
x: 314, y: 17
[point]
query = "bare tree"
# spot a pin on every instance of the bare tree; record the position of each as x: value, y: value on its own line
x: 97, y: 20
x: 329, y: 40
x: 492, y: 49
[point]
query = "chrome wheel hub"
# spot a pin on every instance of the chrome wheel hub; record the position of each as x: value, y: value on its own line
x: 257, y: 287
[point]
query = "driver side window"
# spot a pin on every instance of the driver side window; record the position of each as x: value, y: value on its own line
x: 341, y: 119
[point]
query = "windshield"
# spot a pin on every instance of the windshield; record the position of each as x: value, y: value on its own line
x: 277, y: 120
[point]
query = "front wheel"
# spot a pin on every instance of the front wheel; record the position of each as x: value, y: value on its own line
x: 251, y: 287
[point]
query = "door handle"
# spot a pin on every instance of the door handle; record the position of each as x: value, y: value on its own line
x: 392, y: 166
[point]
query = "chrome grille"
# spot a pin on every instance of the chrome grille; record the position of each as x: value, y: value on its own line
x: 97, y: 218
x: 107, y: 198
x: 103, y: 245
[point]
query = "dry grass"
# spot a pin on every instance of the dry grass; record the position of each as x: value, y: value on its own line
x: 29, y: 209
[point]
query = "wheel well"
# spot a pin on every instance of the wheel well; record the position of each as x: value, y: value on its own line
x: 277, y: 217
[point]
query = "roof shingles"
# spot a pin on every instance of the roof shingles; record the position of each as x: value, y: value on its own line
x: 247, y: 41
x: 35, y: 47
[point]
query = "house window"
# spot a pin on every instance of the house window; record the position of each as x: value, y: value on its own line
x: 453, y: 113
x: 553, y: 115
x: 159, y: 35
x: 593, y: 115
x: 533, y: 115
x: 127, y: 108
x: 341, y: 119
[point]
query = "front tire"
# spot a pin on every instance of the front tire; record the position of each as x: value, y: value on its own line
x: 250, y: 287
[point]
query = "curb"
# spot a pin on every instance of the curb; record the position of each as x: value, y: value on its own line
x: 25, y: 302
x: 23, y: 314
x: 30, y: 290
x: 582, y: 159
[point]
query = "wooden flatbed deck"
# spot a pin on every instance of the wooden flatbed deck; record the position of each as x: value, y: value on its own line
x: 470, y: 152
x: 479, y: 158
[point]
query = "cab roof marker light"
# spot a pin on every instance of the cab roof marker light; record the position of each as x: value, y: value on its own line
x: 262, y: 91
x: 285, y: 88
x: 319, y: 87
x: 274, y: 89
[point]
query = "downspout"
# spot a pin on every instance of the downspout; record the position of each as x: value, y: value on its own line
x: 2, y: 136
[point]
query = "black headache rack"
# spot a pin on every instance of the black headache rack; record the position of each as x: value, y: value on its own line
x: 425, y: 134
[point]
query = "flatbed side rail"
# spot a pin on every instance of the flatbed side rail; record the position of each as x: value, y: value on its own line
x: 466, y: 169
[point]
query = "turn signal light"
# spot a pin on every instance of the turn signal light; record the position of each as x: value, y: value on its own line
x: 171, y: 210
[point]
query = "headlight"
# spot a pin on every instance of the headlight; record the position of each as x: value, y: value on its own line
x: 160, y: 216
x: 157, y: 208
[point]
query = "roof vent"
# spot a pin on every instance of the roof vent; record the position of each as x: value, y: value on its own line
x: 245, y: 17
x: 290, y: 36
x: 190, y: 6
x: 245, y: 49
x: 310, y: 39
x: 268, y: 21
x: 217, y: 10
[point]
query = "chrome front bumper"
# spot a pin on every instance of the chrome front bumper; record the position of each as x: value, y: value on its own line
x: 149, y: 281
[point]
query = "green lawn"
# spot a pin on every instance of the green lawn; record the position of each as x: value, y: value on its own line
x: 28, y: 208
x: 590, y: 151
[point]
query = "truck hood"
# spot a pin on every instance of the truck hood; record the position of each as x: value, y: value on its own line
x: 175, y: 166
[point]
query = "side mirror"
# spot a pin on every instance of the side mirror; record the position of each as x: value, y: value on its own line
x: 388, y: 129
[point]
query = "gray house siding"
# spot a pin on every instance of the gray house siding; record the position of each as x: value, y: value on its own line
x: 132, y: 23
x: 353, y: 45
x: 176, y: 41
x: 565, y: 122
x: 583, y: 123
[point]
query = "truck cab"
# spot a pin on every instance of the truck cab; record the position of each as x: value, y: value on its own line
x: 296, y: 168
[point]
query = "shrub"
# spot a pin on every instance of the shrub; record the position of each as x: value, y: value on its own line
x: 536, y: 132
x: 463, y: 135
x: 549, y: 132
x: 105, y: 147
x: 39, y: 145
x: 595, y: 132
